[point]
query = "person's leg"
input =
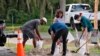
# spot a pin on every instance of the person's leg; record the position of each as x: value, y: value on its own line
x: 88, y: 37
x: 25, y: 37
x: 57, y: 36
x: 24, y: 41
x: 33, y: 36
x: 64, y: 36
x: 34, y: 42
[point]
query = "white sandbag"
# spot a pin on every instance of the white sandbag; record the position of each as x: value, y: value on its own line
x: 39, y: 44
x: 61, y: 47
x: 83, y: 48
x: 57, y: 50
x: 70, y: 37
x: 82, y: 51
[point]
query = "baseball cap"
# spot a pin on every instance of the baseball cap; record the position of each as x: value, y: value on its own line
x: 44, y: 19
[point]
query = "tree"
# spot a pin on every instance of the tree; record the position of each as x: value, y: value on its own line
x: 62, y: 6
x: 33, y: 8
x: 2, y: 9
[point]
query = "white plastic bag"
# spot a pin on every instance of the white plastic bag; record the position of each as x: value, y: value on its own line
x: 70, y: 37
x: 57, y: 50
x: 39, y: 44
x: 83, y: 48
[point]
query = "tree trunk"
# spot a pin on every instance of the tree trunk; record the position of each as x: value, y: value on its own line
x: 80, y: 1
x: 62, y: 6
x: 28, y: 5
x: 42, y: 9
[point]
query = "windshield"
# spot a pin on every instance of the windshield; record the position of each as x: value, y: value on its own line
x: 80, y: 7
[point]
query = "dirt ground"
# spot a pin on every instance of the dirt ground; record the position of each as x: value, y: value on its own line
x: 45, y: 51
x: 6, y: 51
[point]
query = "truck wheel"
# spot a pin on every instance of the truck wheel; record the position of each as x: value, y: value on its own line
x: 78, y: 27
x: 72, y: 23
x: 99, y: 28
x: 99, y: 25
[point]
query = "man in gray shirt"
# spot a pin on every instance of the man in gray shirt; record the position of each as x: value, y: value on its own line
x: 30, y: 30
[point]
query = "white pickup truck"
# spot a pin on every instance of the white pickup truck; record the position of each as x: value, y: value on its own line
x: 85, y: 9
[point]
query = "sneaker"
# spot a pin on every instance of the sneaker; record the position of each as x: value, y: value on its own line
x: 87, y: 54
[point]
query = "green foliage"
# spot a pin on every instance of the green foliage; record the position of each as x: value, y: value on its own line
x: 23, y: 10
x: 43, y: 28
x: 22, y: 17
x: 95, y: 50
x: 28, y: 48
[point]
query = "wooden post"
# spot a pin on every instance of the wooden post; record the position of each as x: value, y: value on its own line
x: 96, y: 22
x: 96, y: 14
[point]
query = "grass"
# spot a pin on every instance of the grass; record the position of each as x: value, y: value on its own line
x: 95, y: 50
x: 30, y: 47
x: 42, y: 28
x: 13, y: 47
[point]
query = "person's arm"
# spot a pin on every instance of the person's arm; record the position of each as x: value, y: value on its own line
x: 84, y: 31
x: 37, y: 32
x: 51, y: 32
x: 52, y: 35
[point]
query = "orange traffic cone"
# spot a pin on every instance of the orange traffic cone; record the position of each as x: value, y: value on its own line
x: 20, y: 49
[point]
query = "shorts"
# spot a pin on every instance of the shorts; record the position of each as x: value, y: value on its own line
x: 28, y: 34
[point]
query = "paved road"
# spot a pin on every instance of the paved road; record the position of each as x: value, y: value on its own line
x: 44, y: 35
x: 4, y: 51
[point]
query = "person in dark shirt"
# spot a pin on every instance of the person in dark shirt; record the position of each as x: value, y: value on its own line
x: 56, y: 31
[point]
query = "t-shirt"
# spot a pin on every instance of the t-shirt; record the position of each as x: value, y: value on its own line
x: 31, y: 25
x: 57, y: 26
x: 86, y: 23
x: 61, y: 20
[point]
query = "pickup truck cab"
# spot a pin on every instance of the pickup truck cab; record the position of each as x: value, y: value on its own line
x: 85, y: 9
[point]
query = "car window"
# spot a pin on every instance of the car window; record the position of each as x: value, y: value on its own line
x: 67, y: 7
x: 80, y: 7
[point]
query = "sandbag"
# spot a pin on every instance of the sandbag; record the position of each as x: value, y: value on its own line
x: 70, y: 37
x: 39, y: 44
x: 57, y: 50
x: 83, y: 48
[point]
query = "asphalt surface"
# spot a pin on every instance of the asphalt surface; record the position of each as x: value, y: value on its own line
x: 4, y: 51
